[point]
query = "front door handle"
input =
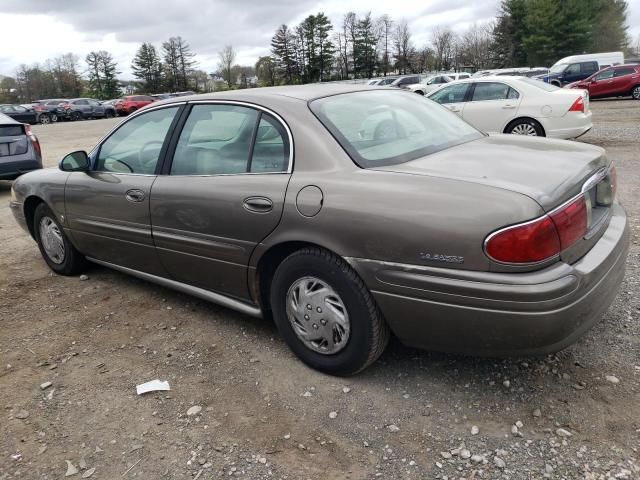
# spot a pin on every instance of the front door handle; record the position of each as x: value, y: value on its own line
x: 134, y: 195
x: 509, y: 107
x: 258, y: 204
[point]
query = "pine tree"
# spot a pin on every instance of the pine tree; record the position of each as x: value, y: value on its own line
x: 284, y: 55
x: 365, y: 47
x: 102, y: 72
x: 171, y: 64
x: 147, y: 68
x: 186, y: 63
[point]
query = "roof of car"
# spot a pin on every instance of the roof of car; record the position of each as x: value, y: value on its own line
x: 299, y: 92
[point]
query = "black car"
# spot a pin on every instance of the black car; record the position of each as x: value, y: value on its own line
x: 19, y: 149
x: 85, y: 108
x: 49, y: 105
x: 25, y: 114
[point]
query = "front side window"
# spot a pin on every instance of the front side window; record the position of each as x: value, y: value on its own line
x: 492, y: 91
x: 217, y: 139
x: 589, y: 67
x: 135, y: 146
x: 604, y: 75
x: 573, y: 69
x: 452, y: 94
x: 379, y: 127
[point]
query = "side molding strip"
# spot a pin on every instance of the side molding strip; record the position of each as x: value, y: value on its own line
x: 188, y: 289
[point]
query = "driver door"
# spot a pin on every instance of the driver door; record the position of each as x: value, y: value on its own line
x: 107, y: 208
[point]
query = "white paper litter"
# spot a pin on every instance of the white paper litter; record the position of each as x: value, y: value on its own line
x: 152, y: 386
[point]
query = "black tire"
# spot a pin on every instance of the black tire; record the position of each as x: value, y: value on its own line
x: 75, y: 116
x: 635, y: 93
x: 54, y: 117
x: 73, y: 261
x: 108, y: 114
x: 369, y: 333
x: 44, y: 119
x: 525, y: 124
x: 133, y: 109
x: 420, y: 92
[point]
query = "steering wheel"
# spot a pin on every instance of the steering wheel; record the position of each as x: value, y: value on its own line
x: 141, y: 159
x: 388, y: 130
x: 123, y: 163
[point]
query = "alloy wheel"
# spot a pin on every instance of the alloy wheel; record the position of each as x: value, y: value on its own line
x: 52, y: 240
x: 318, y: 315
x: 636, y: 93
x: 524, y: 129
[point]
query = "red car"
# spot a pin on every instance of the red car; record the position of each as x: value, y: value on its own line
x: 618, y: 81
x: 130, y: 104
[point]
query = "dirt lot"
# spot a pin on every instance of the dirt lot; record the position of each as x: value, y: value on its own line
x: 263, y: 413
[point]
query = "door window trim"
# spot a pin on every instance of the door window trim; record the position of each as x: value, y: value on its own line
x: 177, y: 130
x: 93, y: 154
x: 472, y: 90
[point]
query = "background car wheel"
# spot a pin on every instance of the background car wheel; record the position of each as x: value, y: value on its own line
x: 420, y: 92
x: 133, y: 109
x: 54, y: 117
x: 326, y: 314
x: 75, y: 116
x: 635, y: 93
x: 525, y: 126
x: 56, y: 249
x: 108, y: 114
x: 44, y: 119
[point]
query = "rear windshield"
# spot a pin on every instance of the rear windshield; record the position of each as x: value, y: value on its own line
x: 387, y: 127
x: 547, y: 87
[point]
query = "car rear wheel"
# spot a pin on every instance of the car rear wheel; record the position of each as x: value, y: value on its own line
x: 326, y: 314
x: 108, y: 114
x: 56, y: 249
x: 525, y: 126
x: 635, y: 93
x: 75, y: 116
x: 53, y: 117
x: 420, y: 92
x: 44, y: 119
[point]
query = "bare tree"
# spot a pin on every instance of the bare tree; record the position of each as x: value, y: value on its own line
x: 402, y: 46
x: 443, y: 41
x: 226, y: 58
x: 475, y: 46
x: 385, y: 25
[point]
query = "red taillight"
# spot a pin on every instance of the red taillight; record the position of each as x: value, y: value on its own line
x: 33, y: 139
x: 525, y: 243
x: 571, y: 221
x: 542, y: 238
x: 578, y: 105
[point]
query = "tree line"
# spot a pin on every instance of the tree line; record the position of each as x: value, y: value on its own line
x: 524, y: 33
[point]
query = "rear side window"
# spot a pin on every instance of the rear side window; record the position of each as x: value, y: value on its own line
x: 493, y: 91
x: 604, y: 75
x: 621, y: 72
x: 219, y: 140
x: 589, y: 67
x: 451, y: 94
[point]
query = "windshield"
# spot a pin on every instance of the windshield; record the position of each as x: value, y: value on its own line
x: 379, y: 128
x: 558, y: 68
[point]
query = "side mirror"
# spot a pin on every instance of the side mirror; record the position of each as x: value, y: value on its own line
x: 75, y: 162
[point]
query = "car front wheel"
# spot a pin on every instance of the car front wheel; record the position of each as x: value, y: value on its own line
x: 56, y: 249
x: 326, y: 314
x: 44, y: 119
x: 635, y: 93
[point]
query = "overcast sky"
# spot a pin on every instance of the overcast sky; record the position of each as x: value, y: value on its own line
x: 34, y: 30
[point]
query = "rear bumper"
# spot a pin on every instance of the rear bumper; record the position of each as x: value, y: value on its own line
x: 500, y: 314
x: 566, y: 128
x: 12, y: 170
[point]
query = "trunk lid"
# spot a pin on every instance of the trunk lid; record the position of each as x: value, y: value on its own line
x: 548, y: 171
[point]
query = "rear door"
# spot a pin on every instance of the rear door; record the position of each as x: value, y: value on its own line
x: 624, y: 79
x: 107, y: 208
x: 492, y: 106
x: 222, y: 194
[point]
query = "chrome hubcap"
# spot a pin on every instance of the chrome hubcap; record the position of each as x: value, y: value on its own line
x: 52, y: 241
x: 318, y: 315
x: 636, y: 93
x: 524, y: 129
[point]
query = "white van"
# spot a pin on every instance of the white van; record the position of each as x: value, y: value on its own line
x: 607, y: 59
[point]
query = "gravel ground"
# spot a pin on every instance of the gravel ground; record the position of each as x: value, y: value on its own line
x: 72, y: 351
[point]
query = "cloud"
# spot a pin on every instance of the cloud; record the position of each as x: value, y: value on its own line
x: 119, y: 26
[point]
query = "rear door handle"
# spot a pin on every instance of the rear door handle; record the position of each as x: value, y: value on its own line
x: 134, y: 195
x: 258, y: 204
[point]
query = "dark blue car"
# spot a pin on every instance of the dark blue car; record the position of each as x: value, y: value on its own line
x: 565, y: 73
